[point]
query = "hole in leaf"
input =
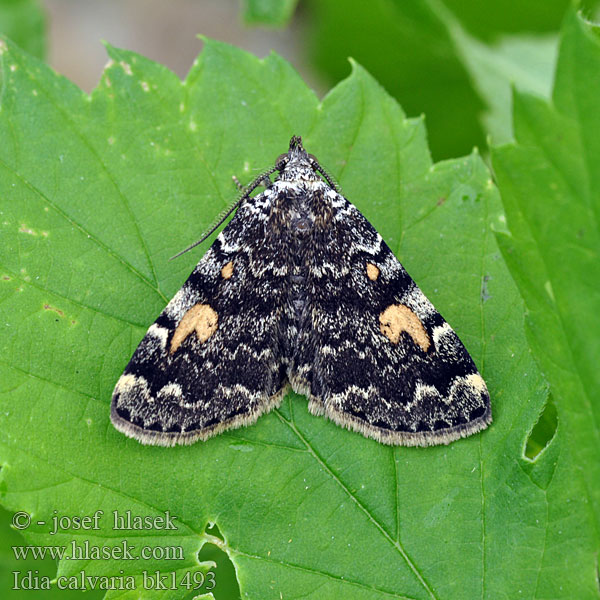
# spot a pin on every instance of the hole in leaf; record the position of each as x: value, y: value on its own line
x: 227, y: 586
x: 213, y: 530
x: 543, y: 431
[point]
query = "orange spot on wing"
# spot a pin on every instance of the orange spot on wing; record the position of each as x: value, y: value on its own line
x: 397, y: 318
x: 202, y: 319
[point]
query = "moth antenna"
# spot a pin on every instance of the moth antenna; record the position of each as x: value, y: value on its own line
x: 217, y: 223
x: 324, y: 173
x: 227, y: 211
x: 238, y: 185
x: 328, y: 178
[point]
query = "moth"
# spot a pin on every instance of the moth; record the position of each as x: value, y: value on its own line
x: 299, y: 290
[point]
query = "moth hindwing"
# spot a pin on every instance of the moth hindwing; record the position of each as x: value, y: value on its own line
x: 300, y: 290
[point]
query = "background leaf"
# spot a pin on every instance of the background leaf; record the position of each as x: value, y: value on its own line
x: 97, y: 192
x: 268, y: 12
x: 487, y: 21
x: 522, y: 62
x: 550, y: 184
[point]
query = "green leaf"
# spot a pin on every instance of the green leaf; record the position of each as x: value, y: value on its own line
x: 274, y: 13
x: 523, y: 62
x: 24, y: 22
x: 488, y: 20
x: 550, y: 184
x: 9, y: 565
x: 97, y: 192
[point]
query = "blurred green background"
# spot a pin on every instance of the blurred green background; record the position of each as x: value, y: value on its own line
x: 452, y: 60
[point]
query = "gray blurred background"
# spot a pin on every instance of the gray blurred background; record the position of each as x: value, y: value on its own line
x: 163, y: 31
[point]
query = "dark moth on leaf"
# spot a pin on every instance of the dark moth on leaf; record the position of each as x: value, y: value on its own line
x: 300, y: 290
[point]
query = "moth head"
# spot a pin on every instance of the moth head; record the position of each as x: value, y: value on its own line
x: 296, y: 164
x: 296, y: 143
x: 297, y: 153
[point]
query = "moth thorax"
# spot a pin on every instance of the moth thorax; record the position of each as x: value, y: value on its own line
x: 298, y: 171
x: 302, y: 225
x: 301, y: 221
